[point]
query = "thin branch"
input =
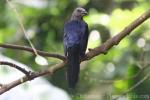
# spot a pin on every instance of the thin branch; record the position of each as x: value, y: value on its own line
x: 21, y: 25
x: 33, y: 75
x: 126, y: 78
x: 134, y: 86
x: 25, y: 48
x: 92, y: 53
x: 16, y: 67
x: 135, y: 75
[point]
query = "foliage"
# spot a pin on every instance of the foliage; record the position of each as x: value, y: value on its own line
x: 44, y: 26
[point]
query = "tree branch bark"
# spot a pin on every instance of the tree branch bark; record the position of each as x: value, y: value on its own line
x: 16, y: 67
x: 25, y: 48
x: 116, y: 39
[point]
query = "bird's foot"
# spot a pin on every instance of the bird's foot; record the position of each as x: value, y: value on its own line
x: 90, y: 49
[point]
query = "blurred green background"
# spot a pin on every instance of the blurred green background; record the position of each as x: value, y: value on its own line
x: 44, y: 21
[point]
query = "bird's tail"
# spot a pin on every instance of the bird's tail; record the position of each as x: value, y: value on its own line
x: 73, y: 66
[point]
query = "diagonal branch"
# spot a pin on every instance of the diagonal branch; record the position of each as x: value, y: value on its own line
x: 92, y: 53
x: 127, y: 78
x: 134, y: 86
x: 116, y: 39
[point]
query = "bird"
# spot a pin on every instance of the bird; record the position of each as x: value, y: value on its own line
x: 76, y: 34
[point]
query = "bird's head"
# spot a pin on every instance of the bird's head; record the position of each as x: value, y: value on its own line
x: 78, y: 13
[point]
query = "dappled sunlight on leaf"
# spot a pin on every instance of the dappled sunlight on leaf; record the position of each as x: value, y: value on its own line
x: 123, y: 44
x: 120, y: 85
x: 82, y: 2
x: 121, y: 18
x: 96, y: 18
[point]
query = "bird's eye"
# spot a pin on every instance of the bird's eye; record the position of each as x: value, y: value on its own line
x: 79, y: 10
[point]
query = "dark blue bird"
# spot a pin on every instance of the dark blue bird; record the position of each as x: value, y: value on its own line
x: 75, y: 43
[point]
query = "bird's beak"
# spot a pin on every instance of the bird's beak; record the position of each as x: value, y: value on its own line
x: 84, y: 13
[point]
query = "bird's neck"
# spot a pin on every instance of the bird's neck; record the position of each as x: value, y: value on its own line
x: 76, y: 18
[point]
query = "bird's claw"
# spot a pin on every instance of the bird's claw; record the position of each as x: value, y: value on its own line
x: 90, y: 49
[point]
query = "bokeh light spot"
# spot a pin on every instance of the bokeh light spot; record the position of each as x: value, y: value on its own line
x: 141, y: 42
x: 110, y: 67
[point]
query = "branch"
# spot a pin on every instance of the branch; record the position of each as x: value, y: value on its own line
x: 134, y: 86
x: 25, y: 48
x: 125, y: 78
x: 33, y: 75
x: 116, y: 39
x: 15, y: 66
x: 92, y: 53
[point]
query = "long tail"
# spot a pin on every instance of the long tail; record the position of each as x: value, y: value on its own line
x: 73, y: 66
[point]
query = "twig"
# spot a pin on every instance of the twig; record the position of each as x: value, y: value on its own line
x: 50, y: 71
x: 134, y: 86
x: 25, y: 48
x: 126, y: 78
x: 25, y: 33
x: 21, y: 25
x: 16, y: 66
x: 137, y: 74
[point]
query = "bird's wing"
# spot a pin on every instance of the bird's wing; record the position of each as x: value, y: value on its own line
x: 84, y: 40
x: 71, y: 34
x: 65, y: 44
